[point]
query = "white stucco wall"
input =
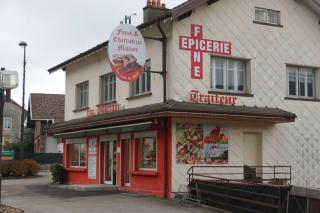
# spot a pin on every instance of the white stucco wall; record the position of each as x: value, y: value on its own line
x: 52, y: 146
x: 97, y: 65
x: 269, y: 49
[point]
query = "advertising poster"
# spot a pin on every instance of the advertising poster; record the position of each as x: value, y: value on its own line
x: 92, y: 167
x: 92, y: 150
x: 201, y: 144
x: 189, y: 143
x: 216, y: 141
x: 127, y: 52
x: 92, y: 158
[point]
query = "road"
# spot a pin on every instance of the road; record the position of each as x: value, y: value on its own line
x: 35, y: 195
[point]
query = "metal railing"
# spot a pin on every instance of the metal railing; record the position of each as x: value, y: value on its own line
x: 241, y: 188
x: 276, y: 175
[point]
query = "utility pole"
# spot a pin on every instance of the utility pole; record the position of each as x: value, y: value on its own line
x: 23, y: 45
x: 1, y: 131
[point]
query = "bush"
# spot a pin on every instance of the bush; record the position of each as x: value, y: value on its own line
x: 32, y: 167
x: 58, y: 173
x: 6, y: 168
x: 20, y: 168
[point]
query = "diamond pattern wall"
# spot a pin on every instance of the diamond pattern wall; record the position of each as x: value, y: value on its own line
x: 268, y: 49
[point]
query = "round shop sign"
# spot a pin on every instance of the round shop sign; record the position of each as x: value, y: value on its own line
x: 127, y: 52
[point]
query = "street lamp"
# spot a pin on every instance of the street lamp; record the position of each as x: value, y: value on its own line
x: 23, y: 44
x: 8, y: 81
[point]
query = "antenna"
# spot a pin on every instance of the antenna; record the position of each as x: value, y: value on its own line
x: 127, y: 18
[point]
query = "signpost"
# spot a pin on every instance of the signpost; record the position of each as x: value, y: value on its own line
x: 127, y: 52
x: 8, y: 155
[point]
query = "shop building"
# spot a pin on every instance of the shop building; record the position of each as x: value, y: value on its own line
x: 240, y: 80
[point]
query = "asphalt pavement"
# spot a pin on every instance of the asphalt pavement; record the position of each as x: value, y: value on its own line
x: 36, y: 195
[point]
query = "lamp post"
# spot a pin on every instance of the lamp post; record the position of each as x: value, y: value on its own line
x: 8, y: 81
x: 23, y: 44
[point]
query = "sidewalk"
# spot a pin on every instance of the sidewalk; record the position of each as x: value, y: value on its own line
x: 35, y: 195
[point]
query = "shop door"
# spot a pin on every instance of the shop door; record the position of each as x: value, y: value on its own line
x: 252, y: 155
x: 125, y: 152
x: 110, y: 162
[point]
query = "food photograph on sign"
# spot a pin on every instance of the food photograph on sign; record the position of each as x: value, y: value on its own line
x: 201, y: 144
x: 216, y: 141
x: 189, y: 143
x: 126, y: 51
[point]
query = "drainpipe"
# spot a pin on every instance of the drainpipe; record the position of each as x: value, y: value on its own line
x: 165, y: 120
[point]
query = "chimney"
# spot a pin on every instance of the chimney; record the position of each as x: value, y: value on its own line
x: 153, y: 10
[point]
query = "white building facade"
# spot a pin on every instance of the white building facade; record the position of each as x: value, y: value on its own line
x: 253, y: 54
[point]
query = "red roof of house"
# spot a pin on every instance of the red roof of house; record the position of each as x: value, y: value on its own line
x: 46, y: 107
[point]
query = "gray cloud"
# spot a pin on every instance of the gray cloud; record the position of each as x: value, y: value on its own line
x: 56, y: 31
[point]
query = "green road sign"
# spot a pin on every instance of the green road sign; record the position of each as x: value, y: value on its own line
x: 8, y: 152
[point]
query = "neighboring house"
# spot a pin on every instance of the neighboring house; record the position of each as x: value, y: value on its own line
x: 45, y: 109
x: 11, y: 123
x: 249, y: 95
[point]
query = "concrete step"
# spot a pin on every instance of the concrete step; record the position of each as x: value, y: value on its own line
x: 88, y: 188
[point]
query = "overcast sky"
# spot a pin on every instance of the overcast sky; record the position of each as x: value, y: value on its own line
x: 55, y: 31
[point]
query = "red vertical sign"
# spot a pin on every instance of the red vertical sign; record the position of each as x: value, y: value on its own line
x: 196, y: 54
x: 197, y: 46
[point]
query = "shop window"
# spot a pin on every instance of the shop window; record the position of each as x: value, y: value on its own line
x: 7, y: 123
x: 82, y: 94
x: 301, y: 82
x: 78, y: 154
x: 143, y: 84
x: 146, y: 149
x: 228, y: 75
x: 267, y: 16
x: 108, y: 88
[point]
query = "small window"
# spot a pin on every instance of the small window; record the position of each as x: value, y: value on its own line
x: 108, y: 88
x: 301, y: 82
x: 228, y: 75
x: 143, y: 83
x: 267, y: 16
x: 82, y: 94
x: 147, y: 153
x: 7, y: 123
x: 78, y: 155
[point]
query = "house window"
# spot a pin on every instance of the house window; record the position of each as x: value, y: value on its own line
x: 228, y: 74
x: 143, y: 83
x: 7, y: 123
x: 82, y: 94
x: 268, y: 16
x: 78, y: 154
x: 301, y: 82
x: 108, y: 88
x: 147, y: 153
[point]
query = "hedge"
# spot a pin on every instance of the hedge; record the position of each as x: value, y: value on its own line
x: 58, y: 173
x: 20, y: 168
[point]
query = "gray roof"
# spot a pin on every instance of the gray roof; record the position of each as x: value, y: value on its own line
x: 174, y: 108
x: 46, y: 107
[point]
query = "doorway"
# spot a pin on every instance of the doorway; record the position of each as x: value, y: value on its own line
x: 110, y: 162
x: 125, y: 158
x: 252, y: 154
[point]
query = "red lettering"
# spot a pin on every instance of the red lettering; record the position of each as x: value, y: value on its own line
x: 197, y: 45
x: 197, y: 97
